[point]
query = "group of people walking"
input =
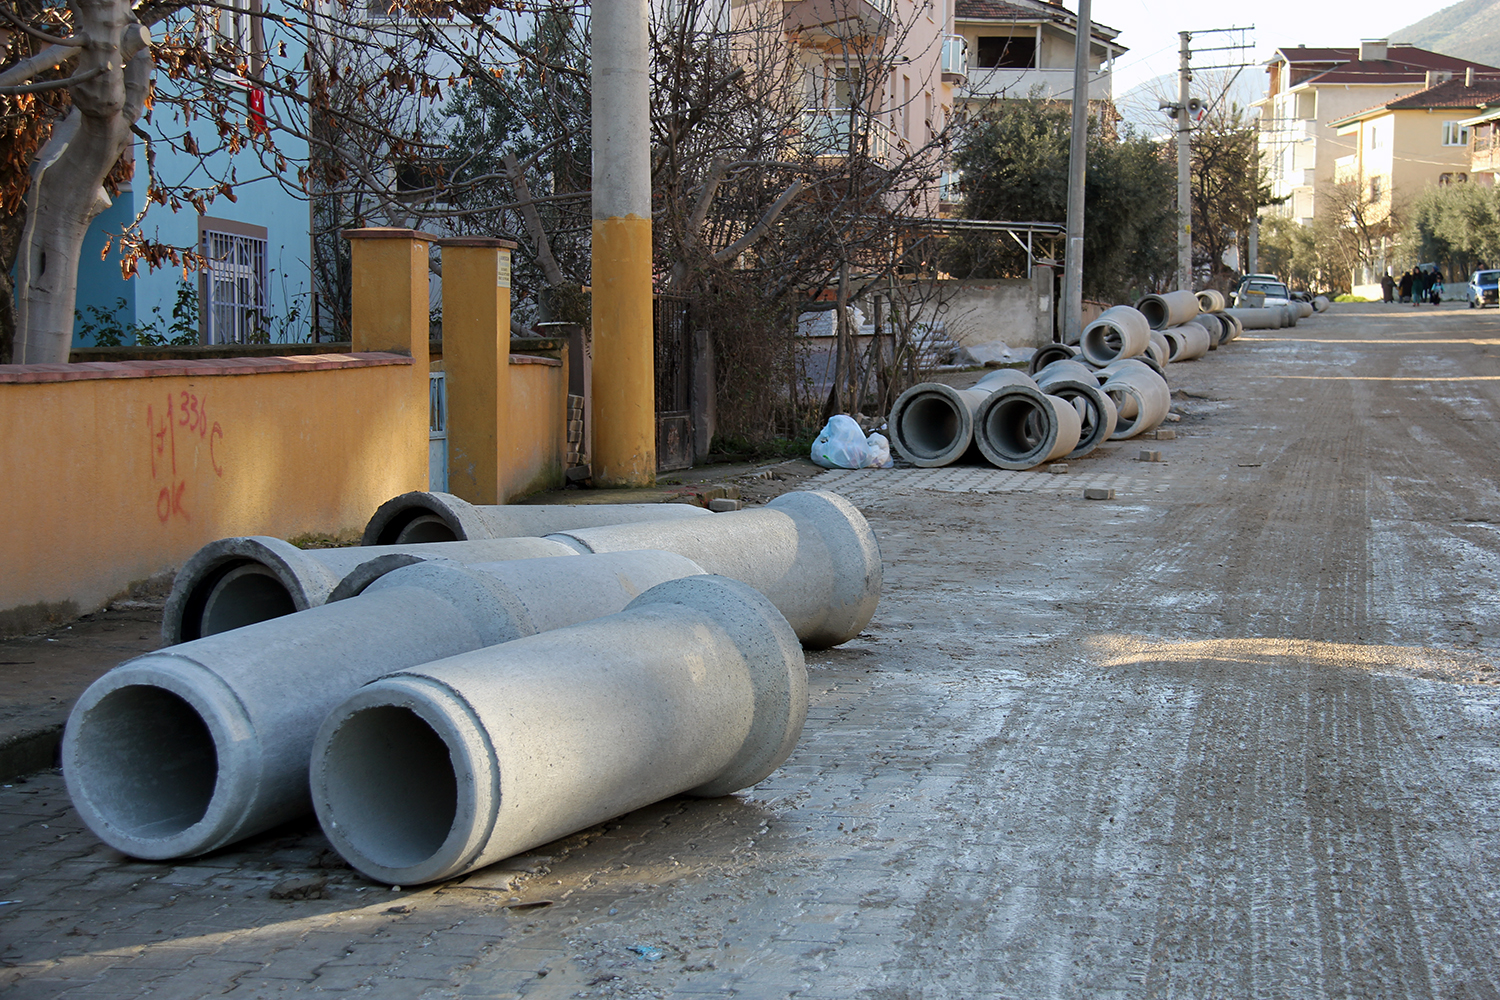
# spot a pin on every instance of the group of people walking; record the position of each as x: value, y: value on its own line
x: 1415, y: 286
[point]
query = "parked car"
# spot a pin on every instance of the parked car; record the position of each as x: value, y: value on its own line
x: 1484, y: 289
x: 1256, y: 291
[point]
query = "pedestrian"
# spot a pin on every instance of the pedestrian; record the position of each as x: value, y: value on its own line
x: 1437, y: 288
x: 1405, y: 286
x: 1388, y: 286
x: 1418, y: 286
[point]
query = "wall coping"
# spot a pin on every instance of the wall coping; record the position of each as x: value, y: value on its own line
x: 87, y: 370
x: 532, y: 359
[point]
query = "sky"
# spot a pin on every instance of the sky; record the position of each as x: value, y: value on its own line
x: 1149, y: 29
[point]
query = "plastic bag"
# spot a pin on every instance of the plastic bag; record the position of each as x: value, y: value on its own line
x: 841, y: 445
x: 880, y: 452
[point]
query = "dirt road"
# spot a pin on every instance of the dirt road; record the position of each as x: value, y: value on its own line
x: 1233, y: 734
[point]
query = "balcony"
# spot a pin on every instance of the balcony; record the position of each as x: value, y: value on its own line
x: 825, y: 133
x: 841, y: 19
x: 1054, y: 84
x: 955, y: 59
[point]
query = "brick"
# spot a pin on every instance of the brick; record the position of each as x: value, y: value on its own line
x: 1147, y: 455
x: 1166, y: 434
x: 1098, y: 493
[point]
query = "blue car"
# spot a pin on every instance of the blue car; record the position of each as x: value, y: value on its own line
x: 1484, y: 289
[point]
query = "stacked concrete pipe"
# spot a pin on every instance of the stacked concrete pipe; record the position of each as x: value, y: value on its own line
x: 1304, y: 309
x: 1049, y: 353
x: 1211, y: 300
x: 811, y: 553
x: 932, y: 424
x: 1187, y: 342
x: 1168, y: 309
x: 234, y: 582
x: 1159, y: 350
x: 442, y: 517
x: 1216, y: 325
x: 1076, y: 384
x: 1320, y: 303
x: 187, y: 749
x: 697, y: 688
x: 1119, y: 332
x: 1141, y: 397
x: 1019, y: 426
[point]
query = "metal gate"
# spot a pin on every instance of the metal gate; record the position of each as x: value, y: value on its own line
x: 437, y: 433
x: 674, y: 382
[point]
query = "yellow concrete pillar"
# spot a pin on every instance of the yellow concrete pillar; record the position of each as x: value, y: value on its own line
x: 624, y: 403
x: 476, y: 358
x: 389, y: 311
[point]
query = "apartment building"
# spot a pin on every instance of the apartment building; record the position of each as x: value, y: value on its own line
x: 1309, y: 89
x: 1020, y: 48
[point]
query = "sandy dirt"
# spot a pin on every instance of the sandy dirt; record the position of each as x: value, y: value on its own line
x: 1235, y: 733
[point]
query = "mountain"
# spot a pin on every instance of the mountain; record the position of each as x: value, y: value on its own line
x: 1470, y: 29
x: 1138, y: 106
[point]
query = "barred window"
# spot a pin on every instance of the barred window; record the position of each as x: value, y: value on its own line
x: 234, y: 284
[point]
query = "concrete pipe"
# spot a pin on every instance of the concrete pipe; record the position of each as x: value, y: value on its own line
x: 1019, y: 426
x: 812, y: 553
x: 932, y: 424
x: 1232, y: 328
x: 1257, y: 319
x: 697, y: 688
x: 443, y: 517
x: 1159, y: 350
x: 235, y: 582
x: 1119, y: 332
x: 1168, y: 309
x: 1141, y: 398
x: 1321, y: 303
x: 1188, y: 342
x: 182, y: 751
x: 1211, y: 300
x: 1075, y: 383
x: 1049, y: 353
x: 1304, y: 309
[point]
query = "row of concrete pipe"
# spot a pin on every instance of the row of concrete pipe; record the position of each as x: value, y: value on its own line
x: 442, y: 705
x: 1110, y: 384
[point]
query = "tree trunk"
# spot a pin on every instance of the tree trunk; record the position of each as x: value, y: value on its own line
x: 67, y: 179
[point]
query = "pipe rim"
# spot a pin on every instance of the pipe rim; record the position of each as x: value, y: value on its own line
x: 306, y: 581
x: 394, y: 517
x: 926, y: 448
x: 1099, y: 423
x: 859, y: 572
x: 1049, y: 353
x: 1016, y: 428
x: 176, y: 711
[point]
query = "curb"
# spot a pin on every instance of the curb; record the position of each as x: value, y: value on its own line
x: 29, y: 752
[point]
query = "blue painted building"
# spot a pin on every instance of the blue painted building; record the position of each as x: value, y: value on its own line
x: 258, y: 283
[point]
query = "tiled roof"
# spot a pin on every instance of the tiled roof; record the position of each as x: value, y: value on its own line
x: 999, y: 9
x: 1452, y: 94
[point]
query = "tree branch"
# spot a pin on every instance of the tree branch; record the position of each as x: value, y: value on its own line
x: 51, y: 57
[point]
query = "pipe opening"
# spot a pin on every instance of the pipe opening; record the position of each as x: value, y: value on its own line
x: 1016, y: 427
x: 247, y: 594
x: 1089, y: 417
x: 929, y: 426
x: 1104, y: 342
x: 426, y: 528
x: 1127, y: 410
x: 147, y: 761
x: 390, y: 783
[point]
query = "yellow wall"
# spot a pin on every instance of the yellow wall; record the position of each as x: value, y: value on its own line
x: 1408, y: 155
x: 110, y: 480
x: 538, y: 425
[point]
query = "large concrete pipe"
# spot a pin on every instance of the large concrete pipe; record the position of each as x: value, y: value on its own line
x: 1076, y: 384
x: 1257, y: 319
x: 1141, y: 397
x: 1233, y: 328
x: 1188, y: 342
x: 1321, y: 303
x: 235, y: 582
x: 812, y: 553
x: 697, y: 688
x: 443, y: 517
x: 185, y: 750
x: 1304, y: 309
x: 1211, y: 300
x: 1049, y: 353
x: 1215, y: 324
x: 1019, y: 426
x: 1119, y: 332
x: 932, y: 424
x: 1159, y: 350
x: 1289, y: 314
x: 1168, y: 309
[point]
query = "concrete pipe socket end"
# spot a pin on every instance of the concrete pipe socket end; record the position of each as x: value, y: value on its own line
x: 931, y: 425
x: 1120, y: 332
x: 417, y: 517
x: 1020, y: 428
x: 1211, y: 300
x: 1142, y: 400
x: 698, y: 687
x: 1049, y: 353
x: 234, y: 582
x: 1095, y: 409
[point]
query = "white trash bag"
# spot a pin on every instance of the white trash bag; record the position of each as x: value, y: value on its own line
x: 880, y: 452
x: 841, y: 445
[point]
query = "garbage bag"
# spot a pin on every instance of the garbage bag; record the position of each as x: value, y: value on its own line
x: 841, y: 445
x: 880, y: 452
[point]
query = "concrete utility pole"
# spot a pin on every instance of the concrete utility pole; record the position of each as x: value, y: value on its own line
x: 1072, y: 318
x: 624, y: 409
x: 1184, y: 167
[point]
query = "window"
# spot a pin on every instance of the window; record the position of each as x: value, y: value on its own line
x: 233, y: 287
x: 1374, y: 138
x: 1455, y: 134
x: 1377, y: 187
x: 1007, y: 52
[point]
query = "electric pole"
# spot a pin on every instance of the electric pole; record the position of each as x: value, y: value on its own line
x: 1185, y: 166
x: 1072, y: 304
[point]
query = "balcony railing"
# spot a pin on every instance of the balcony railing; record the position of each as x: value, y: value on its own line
x: 955, y: 59
x: 1046, y: 83
x: 825, y: 132
x: 826, y: 16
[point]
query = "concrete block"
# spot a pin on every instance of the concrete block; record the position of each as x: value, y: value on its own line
x: 698, y: 687
x: 725, y: 504
x: 1149, y: 456
x: 1098, y: 493
x: 1058, y: 468
x: 1166, y: 434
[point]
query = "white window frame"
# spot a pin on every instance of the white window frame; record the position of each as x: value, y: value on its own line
x: 233, y: 288
x: 1455, y: 134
